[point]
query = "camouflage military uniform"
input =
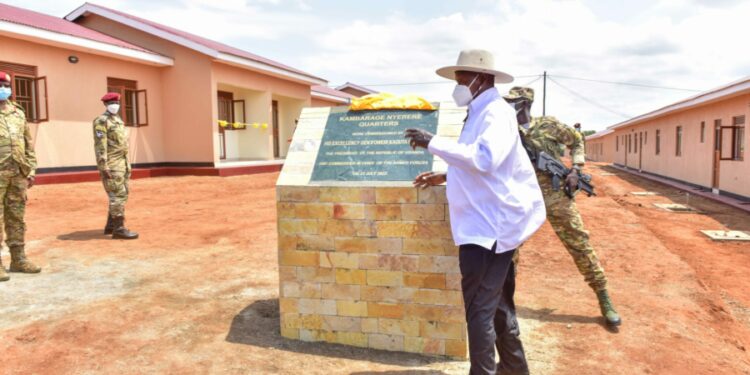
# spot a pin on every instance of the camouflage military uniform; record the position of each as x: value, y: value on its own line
x: 111, y: 148
x: 547, y: 134
x: 17, y: 164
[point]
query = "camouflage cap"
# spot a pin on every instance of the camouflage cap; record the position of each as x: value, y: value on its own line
x: 519, y: 92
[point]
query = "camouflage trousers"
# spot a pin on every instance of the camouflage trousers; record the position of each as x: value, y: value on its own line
x: 566, y: 221
x: 117, y: 191
x: 13, y: 197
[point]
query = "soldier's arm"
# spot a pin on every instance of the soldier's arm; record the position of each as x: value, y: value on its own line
x: 100, y: 144
x: 30, y: 153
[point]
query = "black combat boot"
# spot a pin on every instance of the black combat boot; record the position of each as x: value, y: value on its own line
x: 608, y: 310
x: 120, y: 232
x: 109, y: 228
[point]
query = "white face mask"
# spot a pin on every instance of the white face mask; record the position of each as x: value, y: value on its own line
x: 113, y: 108
x: 462, y: 94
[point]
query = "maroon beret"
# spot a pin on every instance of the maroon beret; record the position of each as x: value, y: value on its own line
x: 110, y: 96
x: 4, y: 77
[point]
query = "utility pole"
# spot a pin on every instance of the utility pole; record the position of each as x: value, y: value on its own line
x: 544, y: 95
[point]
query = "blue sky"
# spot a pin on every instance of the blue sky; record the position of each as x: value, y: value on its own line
x: 689, y: 44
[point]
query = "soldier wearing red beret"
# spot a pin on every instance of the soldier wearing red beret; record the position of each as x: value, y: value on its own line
x: 111, y: 149
x: 18, y: 165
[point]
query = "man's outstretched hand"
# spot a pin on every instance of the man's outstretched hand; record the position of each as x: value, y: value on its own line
x: 418, y: 137
x: 429, y: 179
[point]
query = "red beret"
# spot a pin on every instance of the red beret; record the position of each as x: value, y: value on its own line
x: 4, y: 77
x: 110, y: 96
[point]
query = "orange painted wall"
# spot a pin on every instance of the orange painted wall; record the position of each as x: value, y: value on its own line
x: 600, y: 149
x: 696, y: 163
x: 187, y: 98
x: 74, y: 91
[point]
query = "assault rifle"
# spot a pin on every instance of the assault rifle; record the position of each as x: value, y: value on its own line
x: 548, y: 164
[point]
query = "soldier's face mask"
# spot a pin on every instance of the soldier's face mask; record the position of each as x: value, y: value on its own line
x: 5, y: 92
x: 462, y: 95
x: 113, y: 108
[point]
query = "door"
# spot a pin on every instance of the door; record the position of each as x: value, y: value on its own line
x: 640, y: 152
x: 717, y: 156
x: 226, y: 113
x: 275, y: 125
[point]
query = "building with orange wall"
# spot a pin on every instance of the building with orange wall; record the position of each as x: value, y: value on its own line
x: 700, y: 141
x: 188, y: 101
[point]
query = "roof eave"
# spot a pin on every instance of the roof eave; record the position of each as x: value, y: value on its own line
x: 81, y: 44
x: 320, y: 95
x: 217, y: 55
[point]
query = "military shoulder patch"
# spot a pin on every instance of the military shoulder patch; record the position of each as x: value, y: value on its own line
x: 99, y: 134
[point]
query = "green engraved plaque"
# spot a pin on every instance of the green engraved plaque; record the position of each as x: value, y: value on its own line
x: 370, y: 146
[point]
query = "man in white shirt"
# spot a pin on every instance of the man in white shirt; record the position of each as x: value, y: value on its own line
x: 495, y: 205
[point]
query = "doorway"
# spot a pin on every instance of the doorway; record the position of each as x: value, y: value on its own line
x: 717, y: 157
x: 226, y: 113
x: 275, y: 125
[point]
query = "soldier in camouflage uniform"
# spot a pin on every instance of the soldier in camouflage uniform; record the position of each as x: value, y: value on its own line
x: 17, y: 168
x: 111, y: 149
x: 550, y: 135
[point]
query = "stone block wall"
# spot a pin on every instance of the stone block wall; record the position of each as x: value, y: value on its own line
x: 373, y: 267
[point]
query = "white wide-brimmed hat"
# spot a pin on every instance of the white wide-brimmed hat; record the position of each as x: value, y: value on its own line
x: 475, y: 60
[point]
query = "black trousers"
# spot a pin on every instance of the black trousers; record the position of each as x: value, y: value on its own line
x: 488, y: 285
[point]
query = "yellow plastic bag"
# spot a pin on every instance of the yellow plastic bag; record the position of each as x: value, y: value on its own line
x: 389, y: 101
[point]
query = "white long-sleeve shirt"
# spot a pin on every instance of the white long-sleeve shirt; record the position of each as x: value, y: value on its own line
x: 493, y: 194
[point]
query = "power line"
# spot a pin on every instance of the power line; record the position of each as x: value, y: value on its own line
x: 421, y: 83
x: 626, y: 83
x: 600, y: 106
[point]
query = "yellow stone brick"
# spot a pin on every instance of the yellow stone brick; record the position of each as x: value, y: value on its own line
x: 298, y: 226
x: 341, y: 323
x: 287, y: 273
x: 346, y: 228
x: 386, y: 342
x: 425, y: 280
x: 438, y: 297
x: 310, y: 321
x: 388, y: 262
x: 347, y: 194
x: 439, y: 264
x: 317, y: 306
x: 290, y: 333
x: 380, y: 294
x: 399, y: 229
x: 457, y: 348
x: 390, y: 211
x: 454, y: 314
x: 288, y: 305
x: 351, y: 308
x: 349, y: 211
x: 351, y: 277
x: 413, y: 344
x: 332, y: 259
x: 442, y: 330
x: 315, y: 242
x: 352, y: 339
x: 385, y: 310
x: 428, y: 212
x: 384, y: 278
x: 285, y: 210
x: 341, y: 292
x: 368, y: 245
x: 370, y: 325
x: 289, y: 320
x: 453, y: 281
x: 299, y: 290
x: 434, y: 194
x: 313, y: 210
x: 298, y: 258
x: 432, y: 229
x: 315, y: 275
x: 434, y: 347
x: 398, y: 327
x: 287, y: 242
x: 395, y: 195
x: 297, y: 193
x: 428, y: 246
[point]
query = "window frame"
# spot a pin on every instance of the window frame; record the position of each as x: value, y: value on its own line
x: 678, y: 141
x: 37, y: 85
x: 658, y: 141
x: 130, y: 101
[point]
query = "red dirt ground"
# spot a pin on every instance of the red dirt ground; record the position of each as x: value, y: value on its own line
x: 198, y: 292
